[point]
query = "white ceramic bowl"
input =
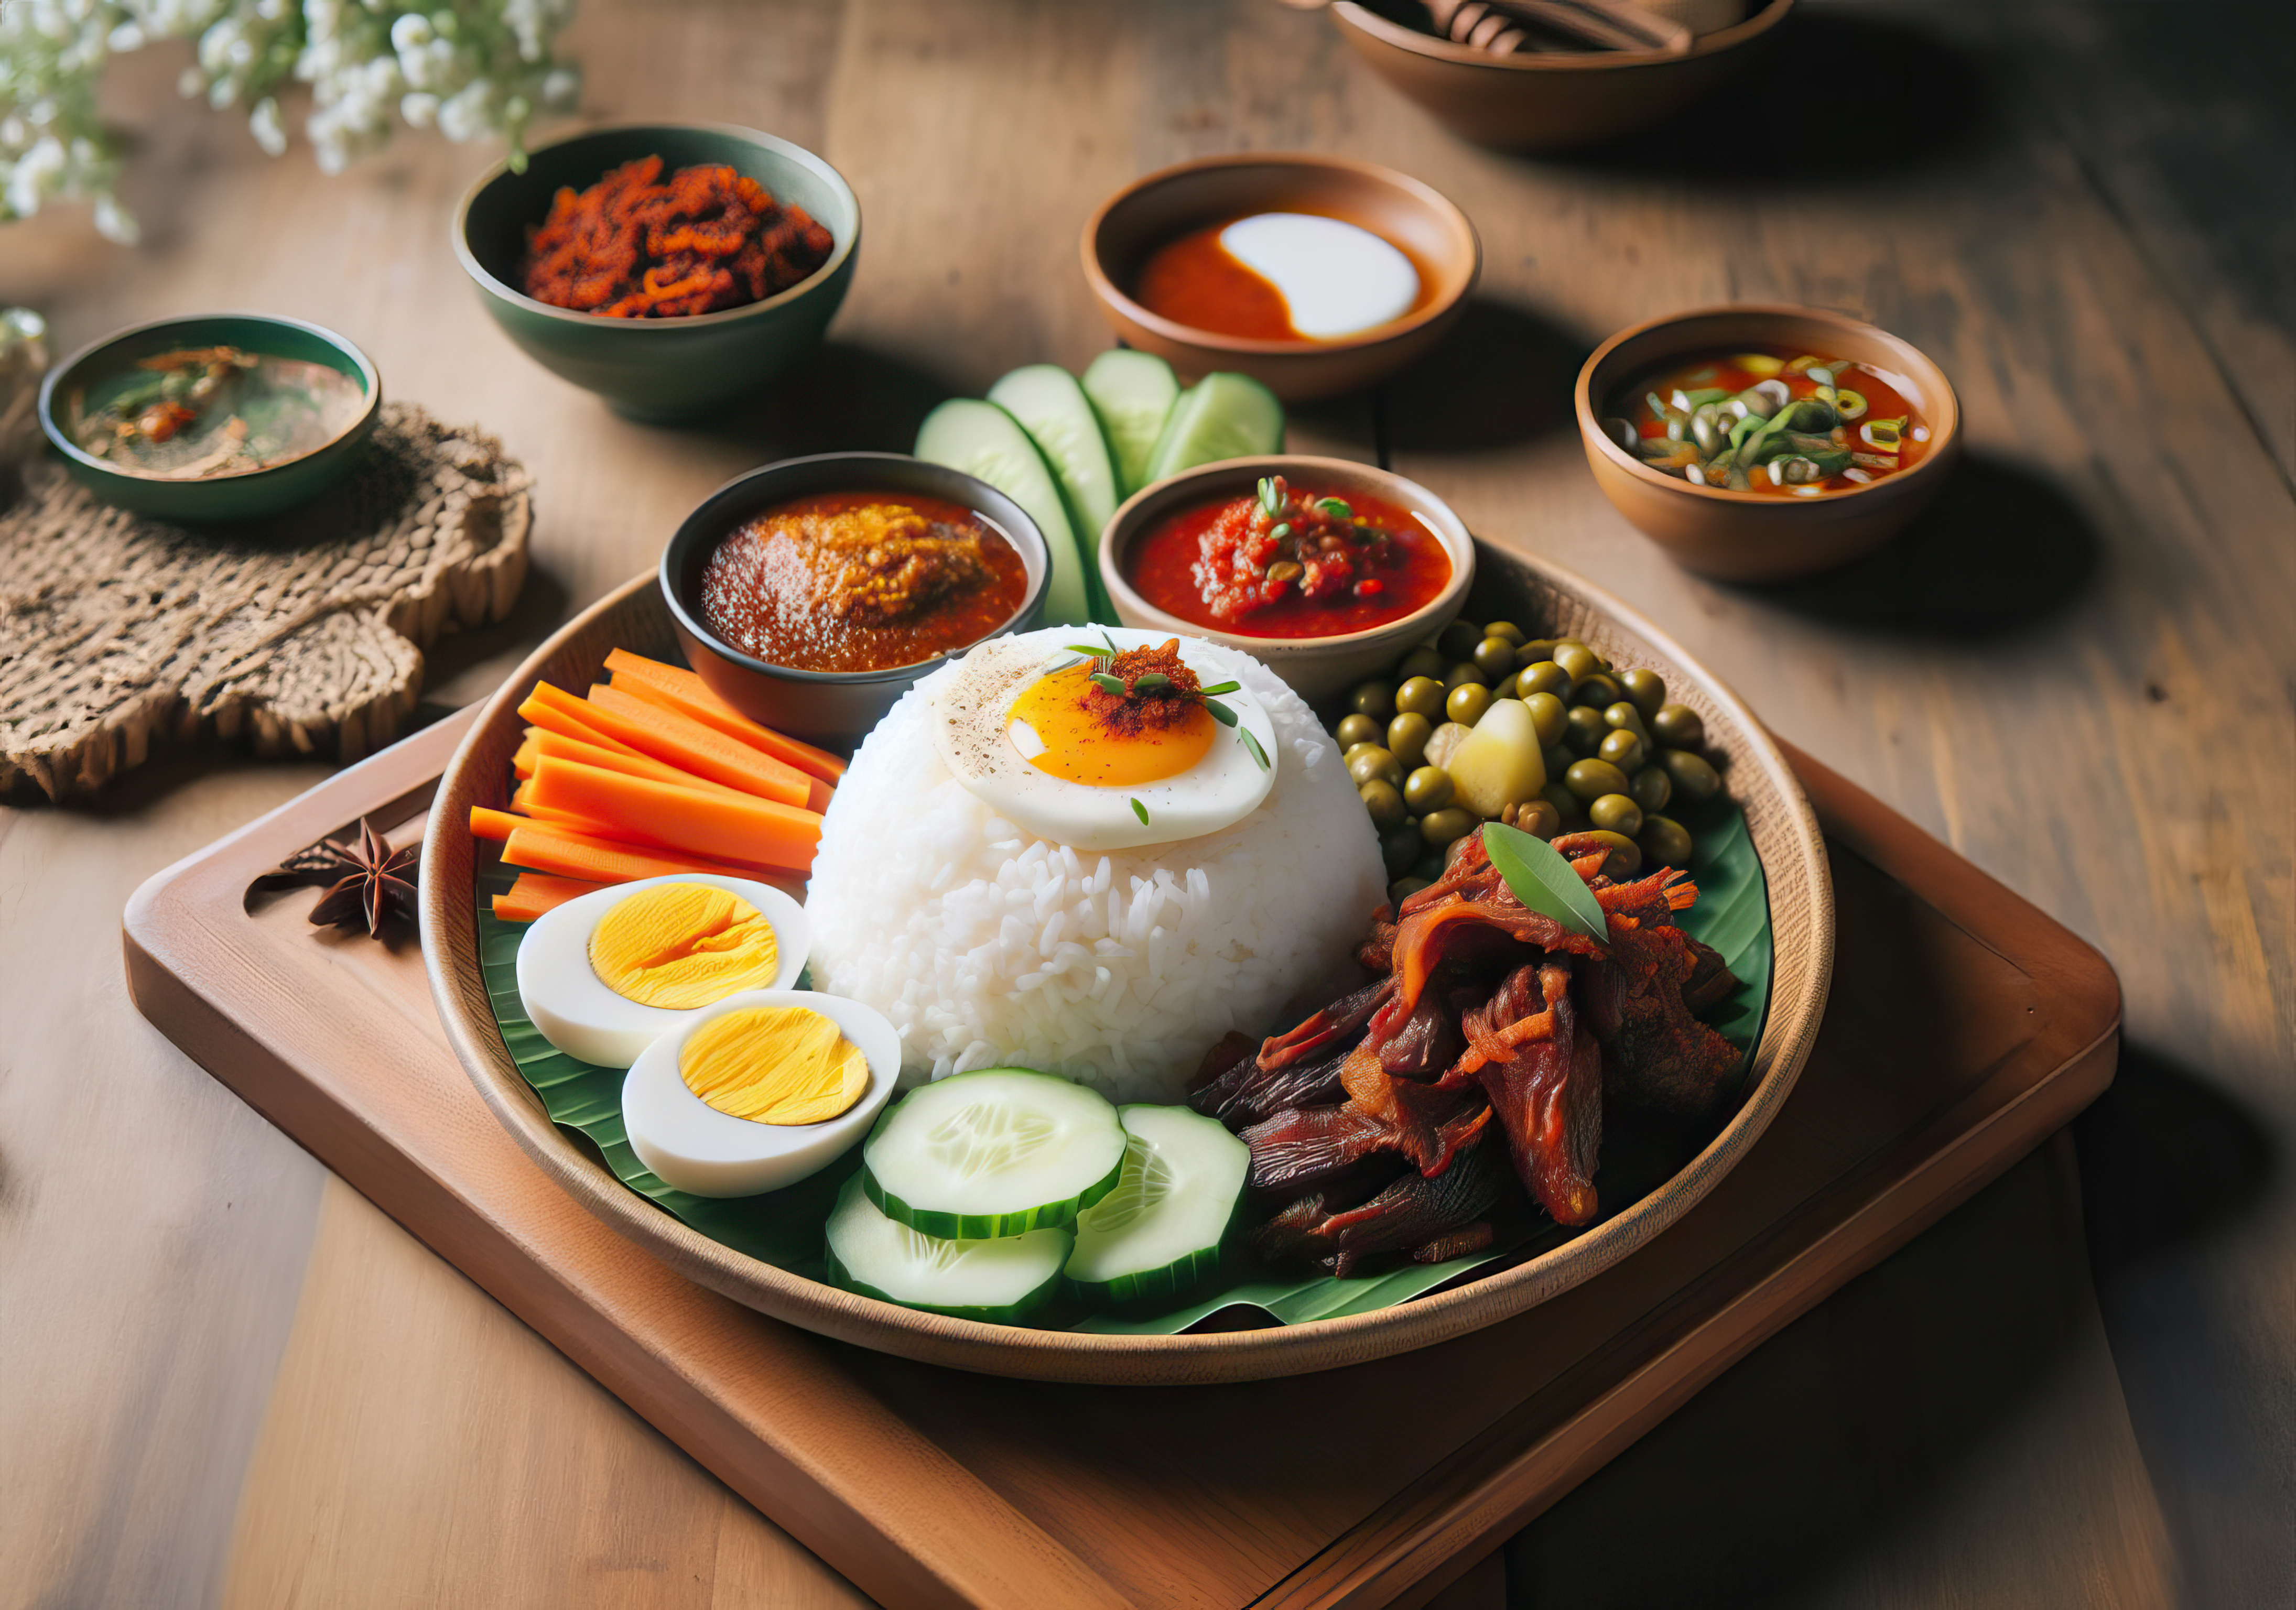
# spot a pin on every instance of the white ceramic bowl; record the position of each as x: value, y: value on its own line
x: 719, y: 1154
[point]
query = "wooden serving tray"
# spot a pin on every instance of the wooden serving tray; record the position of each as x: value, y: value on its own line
x: 1964, y: 1028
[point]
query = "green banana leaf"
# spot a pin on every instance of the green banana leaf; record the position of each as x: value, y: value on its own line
x: 784, y: 1228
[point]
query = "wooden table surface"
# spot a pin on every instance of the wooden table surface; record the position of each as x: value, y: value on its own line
x: 224, y: 1377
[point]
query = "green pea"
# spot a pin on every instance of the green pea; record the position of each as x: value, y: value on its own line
x: 1616, y: 813
x: 1371, y: 763
x: 1651, y: 788
x: 1420, y: 696
x: 1458, y: 640
x: 1439, y: 827
x: 1399, y: 847
x: 1493, y: 656
x: 1577, y: 659
x: 1356, y: 730
x: 1375, y: 699
x: 1665, y: 841
x: 1568, y: 806
x: 1384, y: 803
x: 1532, y: 652
x: 1626, y: 718
x: 1544, y: 677
x: 1428, y: 789
x: 1692, y: 777
x: 1678, y: 727
x: 1586, y: 729
x: 1646, y: 688
x: 1539, y: 819
x: 1404, y: 888
x: 1467, y: 703
x: 1425, y: 661
x: 1589, y: 779
x: 1557, y: 759
x: 1506, y: 629
x: 1625, y: 857
x: 1623, y: 750
x: 1549, y: 716
x: 1466, y: 671
x: 1406, y: 738
x: 1579, y: 642
x: 1600, y: 691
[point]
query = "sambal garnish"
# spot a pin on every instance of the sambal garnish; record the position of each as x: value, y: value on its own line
x: 1131, y: 692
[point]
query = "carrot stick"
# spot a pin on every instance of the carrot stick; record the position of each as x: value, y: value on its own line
x: 685, y: 690
x: 523, y: 763
x: 536, y: 892
x: 683, y: 742
x: 493, y: 825
x: 547, y: 848
x: 760, y: 831
x: 637, y: 766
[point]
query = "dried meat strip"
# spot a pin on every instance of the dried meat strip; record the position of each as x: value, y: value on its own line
x: 1414, y: 1211
x: 1547, y: 1089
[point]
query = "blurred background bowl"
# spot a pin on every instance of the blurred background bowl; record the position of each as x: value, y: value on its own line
x: 1748, y: 536
x: 833, y: 708
x: 93, y: 375
x: 659, y: 369
x: 1316, y: 668
x: 1149, y: 212
x: 1551, y: 101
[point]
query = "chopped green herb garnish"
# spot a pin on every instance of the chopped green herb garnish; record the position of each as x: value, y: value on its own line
x: 1252, y: 744
x: 1337, y: 508
x: 1107, y: 684
x: 1141, y: 811
x: 1225, y: 687
x: 1220, y: 712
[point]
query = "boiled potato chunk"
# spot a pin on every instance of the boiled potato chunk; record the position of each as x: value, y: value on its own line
x: 1499, y: 764
x: 1444, y: 742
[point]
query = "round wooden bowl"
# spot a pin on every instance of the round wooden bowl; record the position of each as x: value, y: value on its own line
x: 1747, y: 537
x: 1148, y: 212
x: 1550, y: 100
x: 1785, y: 835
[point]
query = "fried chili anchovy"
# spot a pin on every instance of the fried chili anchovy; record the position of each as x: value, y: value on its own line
x: 366, y: 880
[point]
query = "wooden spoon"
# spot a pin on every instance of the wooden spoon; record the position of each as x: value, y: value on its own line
x: 1619, y: 25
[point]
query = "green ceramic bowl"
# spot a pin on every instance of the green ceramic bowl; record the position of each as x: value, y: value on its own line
x: 91, y: 376
x: 659, y: 369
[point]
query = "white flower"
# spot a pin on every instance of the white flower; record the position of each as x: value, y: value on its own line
x: 264, y: 121
x: 419, y: 109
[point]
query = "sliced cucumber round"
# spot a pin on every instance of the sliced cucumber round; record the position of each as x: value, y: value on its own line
x: 1001, y: 1281
x: 1133, y: 393
x: 1000, y: 1152
x: 1163, y: 1229
x: 1222, y: 416
x: 983, y: 440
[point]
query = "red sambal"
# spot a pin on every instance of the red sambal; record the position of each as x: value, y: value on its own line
x: 1288, y: 563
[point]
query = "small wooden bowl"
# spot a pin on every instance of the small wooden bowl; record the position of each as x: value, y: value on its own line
x: 1316, y: 668
x: 1548, y: 101
x: 1749, y: 536
x: 1515, y: 586
x: 1145, y: 214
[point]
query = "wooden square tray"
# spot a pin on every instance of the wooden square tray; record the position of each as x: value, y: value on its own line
x: 1964, y: 1028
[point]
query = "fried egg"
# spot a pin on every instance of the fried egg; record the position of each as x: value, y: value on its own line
x: 605, y: 975
x: 1015, y: 724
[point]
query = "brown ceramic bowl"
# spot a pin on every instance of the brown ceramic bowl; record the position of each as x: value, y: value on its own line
x: 1550, y: 102
x: 1749, y: 536
x: 1316, y: 668
x: 1145, y: 214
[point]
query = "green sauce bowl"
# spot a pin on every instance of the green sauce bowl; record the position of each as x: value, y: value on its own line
x: 669, y: 369
x: 97, y: 371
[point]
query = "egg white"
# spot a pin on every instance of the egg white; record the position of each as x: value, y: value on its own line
x: 576, y: 1010
x: 971, y: 709
x: 698, y: 1150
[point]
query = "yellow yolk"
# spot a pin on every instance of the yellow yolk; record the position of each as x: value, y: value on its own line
x: 774, y: 1064
x: 1056, y: 732
x: 680, y: 945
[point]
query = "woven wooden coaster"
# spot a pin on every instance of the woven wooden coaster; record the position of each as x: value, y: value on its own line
x: 301, y: 636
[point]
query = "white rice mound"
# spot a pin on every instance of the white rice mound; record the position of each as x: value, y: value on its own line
x: 988, y: 947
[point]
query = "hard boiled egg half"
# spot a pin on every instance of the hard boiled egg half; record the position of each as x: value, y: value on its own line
x: 603, y: 975
x: 1034, y: 727
x: 759, y: 1090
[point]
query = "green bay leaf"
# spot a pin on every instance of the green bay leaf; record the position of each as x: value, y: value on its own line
x: 1538, y: 875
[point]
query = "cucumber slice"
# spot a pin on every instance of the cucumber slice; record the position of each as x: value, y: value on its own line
x: 1000, y: 1281
x: 982, y: 439
x: 999, y: 1152
x: 1052, y: 408
x: 1133, y: 393
x: 1222, y: 416
x: 1161, y: 1229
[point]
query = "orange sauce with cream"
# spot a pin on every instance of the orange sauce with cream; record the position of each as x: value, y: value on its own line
x: 1193, y: 280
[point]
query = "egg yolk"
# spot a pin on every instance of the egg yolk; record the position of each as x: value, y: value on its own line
x: 1057, y: 732
x: 680, y: 945
x: 774, y: 1064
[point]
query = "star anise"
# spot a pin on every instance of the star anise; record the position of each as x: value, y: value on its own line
x: 366, y: 880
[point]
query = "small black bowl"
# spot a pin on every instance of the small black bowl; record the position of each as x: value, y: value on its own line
x: 826, y: 706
